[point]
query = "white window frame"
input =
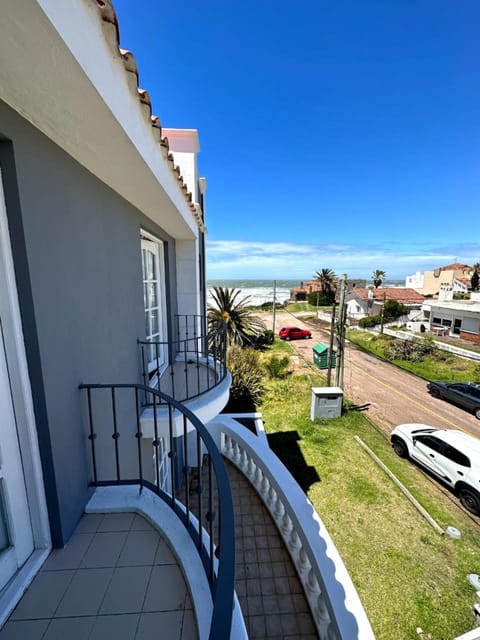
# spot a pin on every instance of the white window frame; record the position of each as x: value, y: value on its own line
x: 25, y: 421
x: 155, y: 246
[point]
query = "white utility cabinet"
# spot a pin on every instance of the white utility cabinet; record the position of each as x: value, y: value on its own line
x: 326, y: 402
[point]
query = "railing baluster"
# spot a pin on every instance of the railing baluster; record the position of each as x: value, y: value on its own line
x: 197, y: 347
x: 199, y: 491
x: 185, y: 368
x: 186, y: 472
x: 92, y: 436
x: 210, y: 516
x: 172, y: 373
x: 115, y: 435
x: 157, y: 360
x: 144, y: 370
x: 156, y: 441
x: 172, y: 452
x: 138, y: 436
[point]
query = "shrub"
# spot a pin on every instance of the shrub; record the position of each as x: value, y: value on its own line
x: 264, y: 339
x: 393, y: 310
x: 247, y: 375
x: 277, y: 367
x: 410, y: 350
x: 323, y: 301
x: 369, y: 321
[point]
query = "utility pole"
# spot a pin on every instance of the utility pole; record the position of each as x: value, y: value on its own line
x: 274, y: 304
x: 330, y: 348
x: 382, y: 312
x: 341, y: 332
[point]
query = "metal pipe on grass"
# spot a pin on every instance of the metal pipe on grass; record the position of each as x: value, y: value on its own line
x: 402, y: 488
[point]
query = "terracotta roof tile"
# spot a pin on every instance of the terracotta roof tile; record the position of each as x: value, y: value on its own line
x: 456, y: 266
x: 404, y: 295
x: 109, y: 18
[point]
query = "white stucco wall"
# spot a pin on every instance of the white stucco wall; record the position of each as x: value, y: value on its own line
x: 188, y: 277
x: 415, y: 281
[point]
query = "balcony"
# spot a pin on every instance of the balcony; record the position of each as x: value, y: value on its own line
x: 188, y: 366
x: 204, y: 515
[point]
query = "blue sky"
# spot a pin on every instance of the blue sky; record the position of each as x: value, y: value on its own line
x: 334, y: 133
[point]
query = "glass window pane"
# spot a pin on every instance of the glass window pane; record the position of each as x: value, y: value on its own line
x: 145, y: 296
x: 144, y: 264
x: 154, y: 322
x: 152, y: 299
x: 151, y: 266
x: 147, y: 324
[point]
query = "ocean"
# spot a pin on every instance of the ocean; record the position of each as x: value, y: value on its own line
x: 259, y: 291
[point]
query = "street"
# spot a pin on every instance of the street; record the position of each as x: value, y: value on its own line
x: 391, y: 396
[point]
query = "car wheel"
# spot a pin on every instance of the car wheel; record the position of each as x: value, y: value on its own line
x: 470, y: 499
x: 287, y: 338
x: 477, y: 413
x: 400, y: 448
x: 434, y: 392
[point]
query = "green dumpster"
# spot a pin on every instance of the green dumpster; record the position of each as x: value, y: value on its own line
x: 320, y: 356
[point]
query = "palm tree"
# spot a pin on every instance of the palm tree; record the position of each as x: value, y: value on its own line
x: 242, y: 325
x: 326, y: 278
x: 378, y: 277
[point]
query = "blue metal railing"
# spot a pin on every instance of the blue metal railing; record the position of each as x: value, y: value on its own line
x: 116, y: 408
x: 200, y: 356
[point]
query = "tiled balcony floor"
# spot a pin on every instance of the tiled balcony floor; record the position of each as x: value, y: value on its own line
x: 185, y: 380
x: 271, y: 596
x: 116, y: 578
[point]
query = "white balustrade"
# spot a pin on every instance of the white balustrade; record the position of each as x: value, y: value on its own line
x: 334, y: 603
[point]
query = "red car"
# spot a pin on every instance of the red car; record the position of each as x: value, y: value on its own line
x: 294, y: 333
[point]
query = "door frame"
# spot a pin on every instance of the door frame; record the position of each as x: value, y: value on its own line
x: 147, y: 239
x: 16, y: 358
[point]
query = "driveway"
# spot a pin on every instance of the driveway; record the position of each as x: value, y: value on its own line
x: 391, y: 396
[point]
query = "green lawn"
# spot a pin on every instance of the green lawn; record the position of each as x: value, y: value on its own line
x: 295, y: 307
x: 439, y: 366
x: 406, y: 574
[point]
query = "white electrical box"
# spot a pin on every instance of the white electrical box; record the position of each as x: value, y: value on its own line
x: 327, y: 402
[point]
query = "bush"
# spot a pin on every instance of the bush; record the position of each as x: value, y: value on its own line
x: 277, y: 367
x: 263, y: 340
x: 247, y: 375
x: 393, y: 310
x: 323, y: 301
x: 369, y: 321
x: 410, y: 350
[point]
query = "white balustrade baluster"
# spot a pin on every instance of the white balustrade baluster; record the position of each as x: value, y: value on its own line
x: 312, y: 583
x: 286, y: 525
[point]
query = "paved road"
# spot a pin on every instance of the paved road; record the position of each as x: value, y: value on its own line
x: 392, y: 396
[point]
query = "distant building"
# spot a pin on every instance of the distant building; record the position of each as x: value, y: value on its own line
x: 301, y: 293
x: 456, y: 318
x: 428, y: 283
x: 363, y: 302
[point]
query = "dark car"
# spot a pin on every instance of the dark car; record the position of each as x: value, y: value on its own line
x: 464, y: 394
x: 294, y: 333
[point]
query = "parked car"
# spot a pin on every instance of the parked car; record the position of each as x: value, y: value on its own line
x: 451, y: 455
x: 294, y: 333
x: 463, y: 394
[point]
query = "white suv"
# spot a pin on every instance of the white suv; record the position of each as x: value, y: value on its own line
x: 453, y: 456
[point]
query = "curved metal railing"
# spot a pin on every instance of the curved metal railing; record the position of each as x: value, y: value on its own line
x: 190, y: 364
x: 120, y: 458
